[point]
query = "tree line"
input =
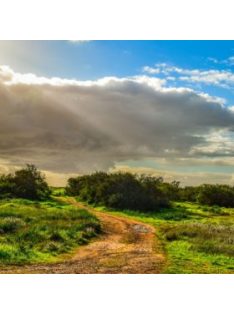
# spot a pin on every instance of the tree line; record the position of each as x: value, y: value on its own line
x: 116, y: 190
x: 120, y: 191
x: 143, y: 192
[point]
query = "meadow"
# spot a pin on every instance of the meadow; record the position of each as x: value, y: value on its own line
x: 42, y: 231
x: 195, y: 238
x: 41, y: 224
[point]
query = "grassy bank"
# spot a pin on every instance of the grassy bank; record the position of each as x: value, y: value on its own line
x: 42, y: 231
x: 195, y: 238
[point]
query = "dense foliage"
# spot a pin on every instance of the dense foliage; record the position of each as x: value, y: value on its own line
x: 144, y: 193
x: 120, y: 191
x: 26, y: 183
x: 189, y: 193
x: 116, y: 190
x: 220, y: 195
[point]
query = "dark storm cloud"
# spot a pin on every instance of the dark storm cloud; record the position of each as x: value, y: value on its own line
x: 67, y: 126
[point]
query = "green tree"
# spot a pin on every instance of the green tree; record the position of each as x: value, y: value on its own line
x: 7, y: 186
x: 221, y: 195
x: 31, y: 184
x: 119, y: 191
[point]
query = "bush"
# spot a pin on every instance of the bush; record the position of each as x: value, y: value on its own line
x: 216, y: 195
x: 7, y: 186
x: 189, y: 193
x: 119, y: 191
x: 26, y: 183
x: 172, y: 190
x: 209, y: 194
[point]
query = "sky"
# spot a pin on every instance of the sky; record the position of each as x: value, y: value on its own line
x: 156, y: 107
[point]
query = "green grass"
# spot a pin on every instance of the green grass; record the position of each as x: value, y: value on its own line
x: 58, y: 191
x: 195, y: 238
x: 42, y: 231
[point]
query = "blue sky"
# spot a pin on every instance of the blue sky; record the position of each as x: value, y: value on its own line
x: 95, y: 59
x: 168, y: 108
x: 121, y: 58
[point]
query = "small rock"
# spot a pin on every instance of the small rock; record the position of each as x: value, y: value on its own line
x: 140, y: 228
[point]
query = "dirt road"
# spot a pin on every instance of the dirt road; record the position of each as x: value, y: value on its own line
x: 126, y: 246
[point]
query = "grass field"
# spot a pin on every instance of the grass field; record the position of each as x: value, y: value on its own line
x: 42, y: 231
x: 195, y: 238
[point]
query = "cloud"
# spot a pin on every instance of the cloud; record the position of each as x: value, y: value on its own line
x: 231, y: 60
x: 222, y: 78
x: 228, y: 61
x: 185, y: 179
x: 213, y: 60
x: 150, y: 70
x: 70, y: 126
x: 78, y: 41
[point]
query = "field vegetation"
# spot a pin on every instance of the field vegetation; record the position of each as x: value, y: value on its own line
x: 33, y: 231
x: 195, y: 238
x: 34, y: 225
x: 195, y: 225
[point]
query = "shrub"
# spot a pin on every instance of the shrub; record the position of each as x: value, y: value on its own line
x: 119, y: 191
x: 216, y: 195
x: 189, y: 193
x: 26, y: 183
x: 7, y: 186
x: 172, y: 190
x: 31, y: 184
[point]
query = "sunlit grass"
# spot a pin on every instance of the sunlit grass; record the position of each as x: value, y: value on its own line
x: 42, y: 231
x: 195, y: 238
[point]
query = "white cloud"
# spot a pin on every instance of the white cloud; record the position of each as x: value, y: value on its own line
x: 78, y: 41
x: 9, y: 77
x: 231, y: 60
x: 222, y: 78
x: 211, y: 77
x: 150, y: 70
x: 228, y: 61
x: 214, y: 60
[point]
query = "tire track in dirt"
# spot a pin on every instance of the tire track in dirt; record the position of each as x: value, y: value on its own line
x: 125, y: 246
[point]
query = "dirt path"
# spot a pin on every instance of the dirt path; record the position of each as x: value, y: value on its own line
x: 126, y: 246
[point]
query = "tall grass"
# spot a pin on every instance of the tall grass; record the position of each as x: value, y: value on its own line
x: 195, y: 238
x: 208, y: 238
x: 41, y: 231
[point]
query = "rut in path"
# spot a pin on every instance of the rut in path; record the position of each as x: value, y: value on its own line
x: 126, y: 246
